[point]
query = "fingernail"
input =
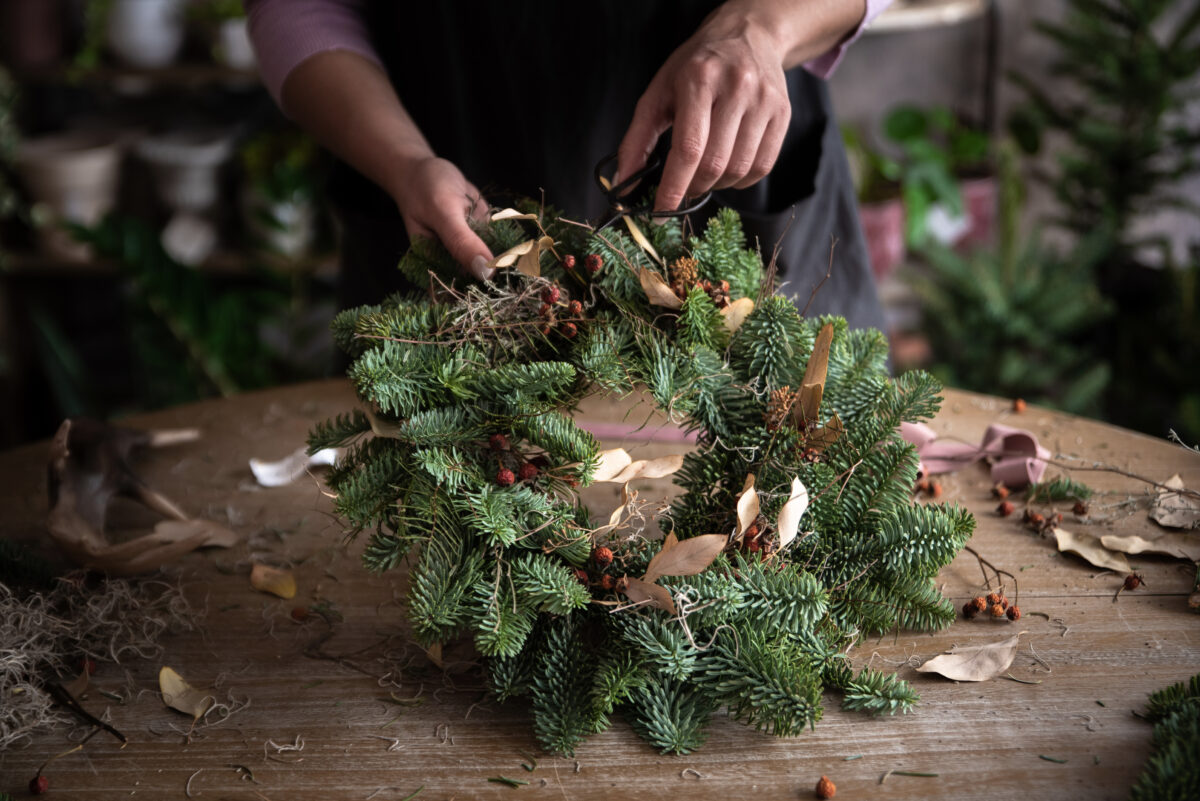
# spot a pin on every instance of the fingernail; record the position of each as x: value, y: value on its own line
x: 479, y: 267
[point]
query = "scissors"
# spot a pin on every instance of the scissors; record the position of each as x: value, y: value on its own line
x: 618, y: 208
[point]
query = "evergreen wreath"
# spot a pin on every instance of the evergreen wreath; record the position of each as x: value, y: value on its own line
x: 465, y: 457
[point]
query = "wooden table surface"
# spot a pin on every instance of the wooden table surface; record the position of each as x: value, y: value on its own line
x: 1094, y: 661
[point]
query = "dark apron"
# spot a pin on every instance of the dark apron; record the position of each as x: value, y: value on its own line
x: 525, y: 99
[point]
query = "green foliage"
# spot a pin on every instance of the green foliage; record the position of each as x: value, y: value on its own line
x: 475, y: 460
x: 1172, y: 773
x: 1059, y: 488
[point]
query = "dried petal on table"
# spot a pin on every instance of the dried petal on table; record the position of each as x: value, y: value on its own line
x: 273, y: 580
x: 1181, y: 546
x: 179, y: 695
x: 1091, y: 549
x: 1174, y: 510
x: 975, y: 662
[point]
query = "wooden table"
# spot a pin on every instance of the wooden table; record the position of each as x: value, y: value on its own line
x: 1095, y: 661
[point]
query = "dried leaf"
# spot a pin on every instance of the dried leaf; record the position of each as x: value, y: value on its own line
x: 1172, y: 543
x: 736, y: 313
x: 659, y: 597
x: 383, y: 428
x: 291, y: 467
x: 1174, y: 510
x: 789, y: 516
x: 1091, y: 549
x: 641, y: 239
x: 512, y: 214
x: 509, y: 257
x: 812, y: 386
x: 214, y: 534
x: 685, y: 557
x: 747, y: 505
x: 826, y: 435
x: 975, y: 662
x: 434, y: 652
x: 273, y: 580
x: 610, y: 464
x: 650, y: 468
x: 530, y: 263
x: 179, y: 695
x: 657, y: 290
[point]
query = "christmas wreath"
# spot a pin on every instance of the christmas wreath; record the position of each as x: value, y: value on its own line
x: 796, y: 534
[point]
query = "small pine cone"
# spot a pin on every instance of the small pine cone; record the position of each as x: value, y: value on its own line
x: 999, y: 491
x: 551, y: 294
x: 602, y: 557
x: 527, y: 471
x: 825, y: 788
x: 994, y: 597
x: 719, y: 294
x: 568, y: 262
x: 811, y: 455
x: 607, y: 582
x: 593, y: 263
x: 1014, y: 612
x: 505, y: 477
x: 1080, y: 508
x: 1004, y: 509
x: 996, y: 610
x: 683, y: 272
x: 575, y: 308
x: 569, y: 330
x: 969, y: 611
x: 1133, y: 581
x: 498, y: 442
x: 778, y: 407
x: 980, y: 603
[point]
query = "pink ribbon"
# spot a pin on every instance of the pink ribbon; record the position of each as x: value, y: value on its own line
x: 1017, y: 458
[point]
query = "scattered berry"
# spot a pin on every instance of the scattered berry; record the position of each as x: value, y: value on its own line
x: 999, y: 490
x: 979, y: 603
x: 568, y: 262
x: 1014, y: 612
x: 498, y: 442
x: 935, y: 489
x: 575, y: 308
x: 551, y: 294
x: 1133, y: 581
x: 1036, y: 520
x: 826, y: 788
x: 1003, y: 602
x: 969, y: 611
x: 527, y: 471
x: 996, y: 610
x: 39, y: 784
x: 1080, y: 508
x: 593, y: 263
x: 505, y: 477
x: 571, y: 481
x: 300, y: 614
x: 923, y: 485
x: 1019, y: 405
x: 569, y: 330
x: 602, y: 557
x: 1004, y: 509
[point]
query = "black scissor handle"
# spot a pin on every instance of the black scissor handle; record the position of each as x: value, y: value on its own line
x: 615, y: 193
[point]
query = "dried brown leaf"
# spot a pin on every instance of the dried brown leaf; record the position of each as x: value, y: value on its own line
x: 273, y: 580
x: 509, y: 257
x: 383, y: 428
x: 657, y: 596
x: 657, y: 290
x: 747, y: 505
x: 1172, y: 543
x: 215, y: 535
x: 610, y: 464
x: 530, y: 262
x: 650, y: 468
x: 685, y: 557
x: 789, y: 516
x: 975, y: 662
x: 812, y: 386
x: 1091, y: 549
x: 736, y: 313
x: 181, y: 696
x: 641, y: 239
x: 1173, y: 510
x: 512, y: 214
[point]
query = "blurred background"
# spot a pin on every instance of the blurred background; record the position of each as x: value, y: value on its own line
x: 1027, y: 170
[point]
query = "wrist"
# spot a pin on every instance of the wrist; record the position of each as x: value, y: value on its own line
x: 791, y: 31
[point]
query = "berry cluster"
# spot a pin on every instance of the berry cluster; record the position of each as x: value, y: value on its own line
x: 755, y: 538
x: 552, y: 300
x: 592, y: 262
x: 1041, y: 523
x: 685, y: 277
x: 598, y: 574
x: 527, y: 470
x: 995, y: 605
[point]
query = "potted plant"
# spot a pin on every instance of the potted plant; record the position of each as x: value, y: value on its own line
x: 945, y: 180
x: 877, y: 185
x: 225, y: 22
x: 147, y: 34
x: 279, y: 196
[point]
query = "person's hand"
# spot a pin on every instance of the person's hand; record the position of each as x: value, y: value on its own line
x: 724, y: 95
x: 435, y: 200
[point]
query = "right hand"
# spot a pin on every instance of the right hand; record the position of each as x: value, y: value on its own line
x: 435, y: 201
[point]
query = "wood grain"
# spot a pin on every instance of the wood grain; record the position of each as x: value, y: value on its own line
x: 1095, y: 660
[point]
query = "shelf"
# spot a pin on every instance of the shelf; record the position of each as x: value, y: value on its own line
x: 228, y: 263
x: 131, y: 80
x: 912, y: 15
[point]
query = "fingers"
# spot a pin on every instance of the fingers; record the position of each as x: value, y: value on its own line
x: 765, y: 152
x: 437, y: 204
x: 650, y: 121
x: 464, y: 244
x: 689, y: 142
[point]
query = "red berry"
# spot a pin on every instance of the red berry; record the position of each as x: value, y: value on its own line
x: 923, y: 485
x: 969, y: 611
x: 505, y: 477
x: 545, y: 330
x: 593, y: 263
x: 568, y: 262
x: 1080, y: 508
x: 569, y: 330
x: 993, y: 598
x: 1004, y: 509
x: 575, y: 308
x: 607, y: 582
x: 825, y: 788
x: 527, y: 471
x: 935, y: 489
x: 753, y: 546
x: 39, y: 784
x: 551, y: 294
x: 1000, y: 491
x: 602, y: 557
x: 582, y: 575
x: 980, y: 603
x: 300, y: 614
x: 544, y: 310
x: 1014, y: 612
x: 1019, y: 405
x: 996, y: 610
x: 498, y: 442
x: 1133, y: 581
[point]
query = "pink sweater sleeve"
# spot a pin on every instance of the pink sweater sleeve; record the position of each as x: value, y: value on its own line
x: 286, y: 33
x: 823, y: 66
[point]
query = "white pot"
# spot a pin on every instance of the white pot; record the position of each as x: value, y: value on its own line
x: 74, y: 176
x: 233, y: 48
x: 146, y: 33
x: 186, y: 166
x: 296, y: 220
